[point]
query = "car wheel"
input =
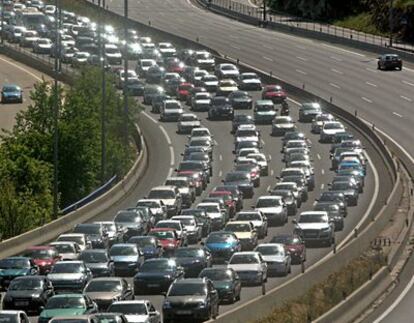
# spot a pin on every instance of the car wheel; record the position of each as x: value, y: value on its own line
x: 238, y: 296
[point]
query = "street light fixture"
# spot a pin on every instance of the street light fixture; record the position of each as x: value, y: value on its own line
x: 391, y: 21
x: 126, y: 108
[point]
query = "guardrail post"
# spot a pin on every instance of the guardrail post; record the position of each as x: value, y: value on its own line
x: 263, y: 288
x: 334, y: 248
x: 302, y: 267
x: 355, y: 232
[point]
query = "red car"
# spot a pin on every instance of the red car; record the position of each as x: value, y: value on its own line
x: 175, y: 66
x: 168, y: 238
x: 294, y: 244
x: 274, y: 92
x: 43, y: 256
x: 228, y: 200
x: 184, y: 90
x: 197, y: 179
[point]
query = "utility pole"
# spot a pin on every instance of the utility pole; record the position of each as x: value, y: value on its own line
x: 264, y: 12
x: 2, y: 22
x: 101, y: 46
x: 126, y: 108
x: 56, y: 117
x: 391, y: 20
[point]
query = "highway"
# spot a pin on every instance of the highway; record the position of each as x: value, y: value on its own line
x: 12, y: 72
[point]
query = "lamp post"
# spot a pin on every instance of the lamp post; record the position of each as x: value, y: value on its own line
x: 2, y: 22
x: 264, y: 11
x: 126, y: 108
x: 391, y: 21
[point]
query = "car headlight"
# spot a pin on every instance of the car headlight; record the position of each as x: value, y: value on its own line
x: 167, y: 304
x: 201, y: 305
x: 326, y: 229
x: 134, y: 264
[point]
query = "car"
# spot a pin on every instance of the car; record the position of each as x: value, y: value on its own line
x: 187, y: 122
x: 152, y: 91
x: 104, y: 290
x: 308, y: 111
x: 229, y: 200
x: 319, y: 120
x: 240, y: 100
x: 226, y: 87
x: 105, y: 317
x: 237, y: 195
x: 127, y: 258
x: 168, y: 238
x: 131, y: 221
x: 241, y: 119
x: 95, y: 233
x: 227, y: 71
x: 113, y: 233
x: 243, y: 182
x: 80, y: 59
x: 349, y: 190
x: 190, y: 225
x: 67, y: 250
x: 246, y: 133
x: 193, y: 260
x: 301, y: 183
x: 204, y: 59
x: 249, y: 81
x: 334, y: 212
x: 294, y: 244
x: 170, y: 196
x: 171, y: 110
x: 250, y: 267
x: 258, y: 220
x: 262, y: 161
x: 264, y: 112
x: 273, y: 208
x: 144, y: 65
x: 183, y: 90
x: 156, y: 275
x: 79, y: 238
x: 200, y: 102
x: 157, y: 101
x: 136, y: 311
x: 154, y: 74
x: 300, y: 172
x: 315, y: 227
x: 11, y: 93
x: 185, y: 187
x: 70, y: 276
x: 120, y: 77
x: 98, y: 261
x: 245, y: 232
x: 150, y: 246
x: 43, y: 256
x: 28, y: 293
x: 220, y: 108
x: 201, y: 133
x: 67, y: 304
x: 199, y: 156
x: 330, y: 129
x: 190, y: 299
x: 13, y: 267
x: 282, y: 124
x: 202, y: 220
x: 88, y: 318
x: 225, y: 281
x: 337, y: 197
x: 42, y: 46
x: 274, y: 92
x: 177, y: 226
x: 215, y: 214
x: 14, y: 316
x: 288, y: 199
x: 277, y: 258
x: 222, y: 245
x: 389, y: 61
x: 210, y: 82
x: 156, y: 206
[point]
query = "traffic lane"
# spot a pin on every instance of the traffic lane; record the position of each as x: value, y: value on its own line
x: 12, y: 72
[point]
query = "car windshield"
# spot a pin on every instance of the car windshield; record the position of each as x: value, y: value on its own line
x: 177, y: 183
x: 249, y: 217
x: 26, y: 284
x: 209, y: 208
x: 248, y: 76
x: 65, y: 302
x: 150, y: 204
x: 282, y: 121
x: 264, y: 108
x: 239, y: 259
x: 312, y: 218
x: 238, y: 227
x: 159, y: 265
x: 64, y: 248
x: 217, y: 274
x: 220, y: 100
x: 189, y: 252
x: 10, y: 89
x: 123, y: 250
x: 104, y: 286
x: 188, y: 118
x: 190, y: 166
x: 172, y: 225
x: 234, y: 177
x: 127, y: 216
x: 88, y: 229
x: 183, y: 289
x: 14, y: 263
x: 271, y: 250
x: 9, y: 318
x: 74, y: 320
x: 65, y: 267
x: 143, y: 241
x: 129, y: 309
x: 210, y: 79
x: 333, y: 125
x: 285, y: 240
x: 186, y: 221
x: 268, y: 202
x: 246, y: 133
x: 220, y: 238
x: 161, y: 194
x: 40, y: 253
x: 91, y: 256
x: 202, y: 96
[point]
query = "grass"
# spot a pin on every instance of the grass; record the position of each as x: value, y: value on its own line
x: 322, y: 297
x: 361, y: 22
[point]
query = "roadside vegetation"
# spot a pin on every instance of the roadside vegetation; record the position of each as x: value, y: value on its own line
x: 26, y: 152
x: 322, y: 297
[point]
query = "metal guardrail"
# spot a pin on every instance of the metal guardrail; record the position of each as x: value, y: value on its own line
x: 308, y: 25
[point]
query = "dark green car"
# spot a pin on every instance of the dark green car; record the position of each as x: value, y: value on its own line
x: 67, y: 305
x: 13, y: 267
x: 264, y: 112
x: 225, y: 281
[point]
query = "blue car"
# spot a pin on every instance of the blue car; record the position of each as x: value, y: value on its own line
x: 149, y: 245
x: 222, y: 245
x: 13, y: 267
x: 345, y: 165
x: 11, y: 93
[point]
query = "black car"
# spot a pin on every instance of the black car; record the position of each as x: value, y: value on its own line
x: 13, y: 267
x: 202, y: 219
x: 191, y: 299
x: 193, y: 260
x: 241, y: 119
x: 389, y: 61
x: 225, y: 281
x: 127, y: 258
x: 243, y: 182
x: 150, y: 246
x: 98, y: 261
x: 94, y: 233
x: 156, y: 276
x: 28, y: 294
x: 337, y: 197
x: 220, y: 108
x: 151, y: 91
x: 350, y: 191
x: 240, y: 100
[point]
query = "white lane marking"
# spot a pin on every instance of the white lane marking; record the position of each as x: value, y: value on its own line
x: 270, y: 157
x: 334, y: 85
x: 172, y: 156
x: 300, y: 47
x: 268, y: 189
x: 221, y: 157
x: 268, y: 59
x: 408, y: 83
x: 294, y: 101
x: 302, y: 58
x: 366, y: 99
x: 337, y: 59
x: 149, y: 117
x: 216, y: 143
x: 272, y: 172
x: 268, y: 47
x: 319, y: 156
x: 408, y: 69
x: 165, y: 134
x: 371, y: 84
x: 170, y: 172
x: 322, y: 186
x: 234, y: 37
x: 22, y: 69
x: 301, y: 72
x: 344, y: 50
x: 235, y: 47
x: 336, y: 71
x: 371, y: 70
x: 262, y: 142
x: 322, y: 171
x: 220, y: 173
x: 397, y: 114
x: 406, y: 98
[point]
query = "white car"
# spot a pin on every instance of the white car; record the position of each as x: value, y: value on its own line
x: 261, y: 161
x: 330, y: 129
x: 227, y: 71
x: 177, y: 225
x: 187, y: 122
x: 273, y: 208
x: 190, y: 224
x: 201, y: 101
x: 282, y: 124
x: 247, y: 133
x: 315, y: 226
x: 204, y: 59
x: 249, y: 82
x: 136, y: 311
x: 210, y: 82
x: 257, y: 218
x: 319, y: 120
x: 171, y: 110
x: 201, y: 133
x: 277, y: 258
x: 145, y: 64
x: 113, y: 54
x: 79, y: 238
x: 67, y: 250
x: 250, y: 266
x: 156, y: 206
x: 170, y: 196
x: 167, y: 49
x: 214, y: 213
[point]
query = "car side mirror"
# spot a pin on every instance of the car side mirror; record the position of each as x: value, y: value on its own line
x: 154, y: 313
x: 294, y: 221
